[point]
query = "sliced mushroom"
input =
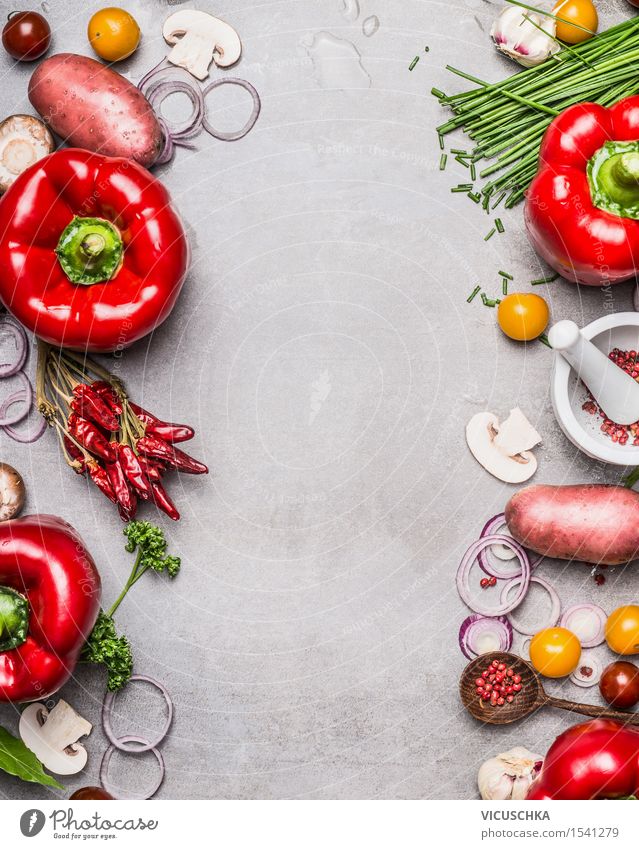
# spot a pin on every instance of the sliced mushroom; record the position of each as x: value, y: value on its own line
x: 23, y: 140
x: 482, y: 433
x: 199, y: 38
x: 53, y: 736
x: 12, y: 492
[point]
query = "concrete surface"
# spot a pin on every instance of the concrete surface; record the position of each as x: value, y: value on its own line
x: 325, y: 352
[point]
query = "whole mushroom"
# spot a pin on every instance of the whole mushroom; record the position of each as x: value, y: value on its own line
x: 12, y: 492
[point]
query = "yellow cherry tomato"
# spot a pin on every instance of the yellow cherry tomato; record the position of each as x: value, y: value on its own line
x: 581, y: 12
x: 113, y: 33
x: 555, y: 652
x: 622, y: 630
x: 523, y: 316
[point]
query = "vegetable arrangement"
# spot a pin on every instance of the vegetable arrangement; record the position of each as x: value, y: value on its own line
x: 506, y: 121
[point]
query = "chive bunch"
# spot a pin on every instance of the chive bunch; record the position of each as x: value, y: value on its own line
x: 507, y: 120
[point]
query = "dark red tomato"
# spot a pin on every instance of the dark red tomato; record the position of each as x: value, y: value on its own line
x: 619, y: 684
x: 26, y: 36
x: 634, y: 2
x: 90, y: 793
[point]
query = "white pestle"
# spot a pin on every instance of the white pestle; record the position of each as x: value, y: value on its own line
x: 615, y: 391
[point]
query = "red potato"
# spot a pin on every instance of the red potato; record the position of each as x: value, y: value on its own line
x: 592, y: 522
x: 95, y: 108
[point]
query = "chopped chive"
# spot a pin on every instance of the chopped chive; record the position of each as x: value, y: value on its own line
x: 489, y: 235
x: 504, y: 286
x: 442, y: 161
x: 499, y: 200
x: 412, y: 65
x: 473, y: 294
x: 475, y: 197
x: 464, y: 189
x: 544, y: 339
x: 461, y: 161
x: 426, y: 49
x: 434, y: 91
x: 484, y: 299
x: 459, y: 151
x: 499, y: 225
x: 550, y: 279
x: 441, y: 141
x: 473, y: 172
x: 490, y: 302
x: 506, y: 275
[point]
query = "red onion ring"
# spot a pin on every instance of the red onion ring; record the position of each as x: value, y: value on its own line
x: 469, y: 558
x: 255, y: 114
x: 22, y: 347
x: 474, y: 626
x: 107, y: 710
x: 587, y: 681
x: 598, y: 632
x: 25, y: 394
x: 555, y: 609
x: 106, y: 760
x: 491, y: 528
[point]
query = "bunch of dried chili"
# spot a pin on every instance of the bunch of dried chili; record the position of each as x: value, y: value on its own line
x: 124, y: 449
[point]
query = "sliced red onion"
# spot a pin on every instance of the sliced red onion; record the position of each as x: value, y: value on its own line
x: 22, y: 347
x: 255, y: 113
x: 525, y: 647
x: 555, y: 608
x: 25, y: 395
x: 465, y: 568
x: 588, y: 673
x: 481, y: 634
x: 586, y: 621
x: 24, y: 438
x: 107, y: 711
x: 501, y: 571
x: 106, y: 760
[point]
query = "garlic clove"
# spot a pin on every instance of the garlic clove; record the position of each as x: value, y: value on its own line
x: 525, y: 36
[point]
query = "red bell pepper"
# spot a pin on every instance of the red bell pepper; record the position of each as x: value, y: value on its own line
x: 92, y: 253
x: 582, y: 208
x: 594, y: 760
x: 49, y: 601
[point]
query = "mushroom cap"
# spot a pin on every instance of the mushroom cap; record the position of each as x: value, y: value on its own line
x: 23, y: 140
x: 225, y: 41
x: 13, y: 492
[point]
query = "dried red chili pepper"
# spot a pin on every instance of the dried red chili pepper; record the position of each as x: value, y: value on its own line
x: 133, y: 471
x: 100, y: 478
x: 79, y: 462
x: 87, y: 434
x: 108, y: 395
x: 151, y: 446
x: 163, y: 501
x: 152, y: 468
x: 126, y: 500
x: 168, y: 431
x: 88, y: 404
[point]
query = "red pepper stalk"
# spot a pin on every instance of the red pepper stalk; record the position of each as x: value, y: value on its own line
x: 124, y: 449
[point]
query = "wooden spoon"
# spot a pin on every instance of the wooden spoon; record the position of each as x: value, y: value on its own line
x: 531, y: 697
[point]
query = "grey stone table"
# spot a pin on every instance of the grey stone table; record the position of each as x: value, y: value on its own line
x: 325, y: 352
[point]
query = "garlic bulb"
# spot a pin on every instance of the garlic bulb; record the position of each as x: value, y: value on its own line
x: 509, y: 775
x: 515, y: 35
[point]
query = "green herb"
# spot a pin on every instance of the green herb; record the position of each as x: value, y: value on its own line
x: 441, y: 141
x: 484, y: 299
x: 104, y: 645
x: 504, y: 286
x: 506, y: 120
x: 413, y: 63
x: 442, y: 161
x: 540, y: 282
x: 473, y: 294
x: 435, y: 91
x: 473, y: 172
x: 475, y: 197
x: 462, y: 187
x: 426, y: 49
x: 461, y: 161
x: 499, y: 225
x: 489, y: 235
x: 459, y: 151
x: 16, y: 759
x: 544, y: 340
x: 506, y: 275
x: 491, y: 302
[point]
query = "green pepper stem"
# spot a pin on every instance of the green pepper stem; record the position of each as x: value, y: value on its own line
x: 613, y: 176
x: 14, y: 618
